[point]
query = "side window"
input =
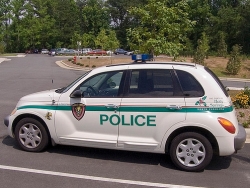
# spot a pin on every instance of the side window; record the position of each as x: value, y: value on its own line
x: 102, y: 85
x: 190, y: 86
x: 151, y: 83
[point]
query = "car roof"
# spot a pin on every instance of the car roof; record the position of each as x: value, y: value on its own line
x: 149, y: 65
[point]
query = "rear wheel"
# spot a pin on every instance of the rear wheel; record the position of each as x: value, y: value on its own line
x: 31, y: 135
x: 191, y: 151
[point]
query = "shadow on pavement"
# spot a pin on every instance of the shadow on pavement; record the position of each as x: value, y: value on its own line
x: 217, y: 163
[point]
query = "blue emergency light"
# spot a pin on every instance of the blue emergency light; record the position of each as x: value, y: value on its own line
x: 142, y: 57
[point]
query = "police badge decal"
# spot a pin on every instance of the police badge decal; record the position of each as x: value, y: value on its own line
x: 78, y: 110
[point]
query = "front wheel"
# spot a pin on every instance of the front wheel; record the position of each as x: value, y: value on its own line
x: 191, y: 151
x: 31, y: 135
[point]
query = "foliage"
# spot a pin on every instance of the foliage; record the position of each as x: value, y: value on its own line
x: 2, y: 48
x: 242, y: 99
x: 202, y: 49
x: 94, y: 17
x: 153, y: 26
x: 112, y: 42
x: 234, y: 63
x: 101, y: 39
x: 222, y: 46
x: 161, y: 29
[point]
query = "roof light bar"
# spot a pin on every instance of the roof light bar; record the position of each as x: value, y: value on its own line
x: 142, y: 57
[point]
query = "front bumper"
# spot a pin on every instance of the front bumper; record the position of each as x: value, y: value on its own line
x: 240, y: 138
x: 6, y: 121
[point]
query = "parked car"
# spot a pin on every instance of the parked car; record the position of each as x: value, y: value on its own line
x: 52, y: 52
x: 44, y: 51
x: 35, y: 51
x: 60, y: 51
x: 109, y: 52
x: 181, y: 109
x: 97, y: 52
x: 129, y: 53
x: 86, y: 50
x: 70, y: 52
x: 120, y: 51
x: 28, y: 51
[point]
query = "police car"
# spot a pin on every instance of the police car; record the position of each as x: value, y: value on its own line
x: 181, y: 109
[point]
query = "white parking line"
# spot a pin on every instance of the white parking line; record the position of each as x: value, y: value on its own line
x: 121, y: 181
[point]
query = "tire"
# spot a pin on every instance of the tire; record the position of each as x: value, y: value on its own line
x: 191, y: 151
x: 31, y: 135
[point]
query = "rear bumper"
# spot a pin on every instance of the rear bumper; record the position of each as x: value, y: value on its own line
x: 240, y: 138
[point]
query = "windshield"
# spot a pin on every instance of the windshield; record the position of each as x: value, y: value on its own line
x: 64, y: 89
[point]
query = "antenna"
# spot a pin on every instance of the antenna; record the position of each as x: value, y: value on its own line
x: 52, y: 78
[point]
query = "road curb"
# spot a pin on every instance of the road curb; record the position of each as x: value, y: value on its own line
x: 248, y: 135
x: 71, y: 67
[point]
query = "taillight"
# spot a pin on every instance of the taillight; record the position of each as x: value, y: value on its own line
x: 226, y: 124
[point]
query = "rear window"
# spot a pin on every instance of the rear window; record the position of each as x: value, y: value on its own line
x: 190, y: 86
x: 217, y: 80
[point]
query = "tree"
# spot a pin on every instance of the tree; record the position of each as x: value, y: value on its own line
x: 112, y: 42
x: 94, y: 17
x: 222, y: 46
x: 101, y: 39
x: 162, y: 29
x: 121, y: 19
x: 234, y: 63
x: 202, y: 49
x: 87, y: 40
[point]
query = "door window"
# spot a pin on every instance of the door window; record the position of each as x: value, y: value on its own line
x: 153, y: 83
x: 102, y: 85
x: 190, y: 86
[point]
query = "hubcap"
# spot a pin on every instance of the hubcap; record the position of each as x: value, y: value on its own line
x: 190, y: 152
x: 30, y: 135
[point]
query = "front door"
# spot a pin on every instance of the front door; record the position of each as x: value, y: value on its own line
x: 92, y: 119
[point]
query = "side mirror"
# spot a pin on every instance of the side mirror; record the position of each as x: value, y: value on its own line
x: 76, y: 94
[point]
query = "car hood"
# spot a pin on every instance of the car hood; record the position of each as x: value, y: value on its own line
x: 43, y: 96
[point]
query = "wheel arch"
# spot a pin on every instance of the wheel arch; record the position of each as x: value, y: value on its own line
x: 199, y: 130
x: 22, y: 116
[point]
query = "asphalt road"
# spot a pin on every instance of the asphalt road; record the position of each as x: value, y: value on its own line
x: 67, y: 166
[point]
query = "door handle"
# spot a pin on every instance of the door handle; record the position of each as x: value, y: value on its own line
x: 174, y: 107
x: 111, y: 106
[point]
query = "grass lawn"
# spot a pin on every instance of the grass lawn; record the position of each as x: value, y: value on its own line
x: 9, y: 54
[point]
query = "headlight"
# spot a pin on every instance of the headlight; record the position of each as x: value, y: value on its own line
x: 13, y: 112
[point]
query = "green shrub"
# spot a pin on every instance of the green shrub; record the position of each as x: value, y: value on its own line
x: 242, y: 99
x: 242, y: 114
x: 70, y: 59
x: 245, y: 124
x: 93, y: 66
x: 234, y: 63
x: 87, y: 66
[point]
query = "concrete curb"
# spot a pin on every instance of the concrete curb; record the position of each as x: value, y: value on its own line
x: 64, y: 65
x: 248, y: 135
x: 235, y: 79
x: 4, y: 59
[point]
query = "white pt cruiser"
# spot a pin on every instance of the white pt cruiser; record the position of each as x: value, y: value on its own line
x: 177, y: 108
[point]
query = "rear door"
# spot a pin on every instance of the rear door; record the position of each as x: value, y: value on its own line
x: 152, y: 103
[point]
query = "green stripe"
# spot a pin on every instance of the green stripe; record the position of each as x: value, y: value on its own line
x: 133, y: 109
